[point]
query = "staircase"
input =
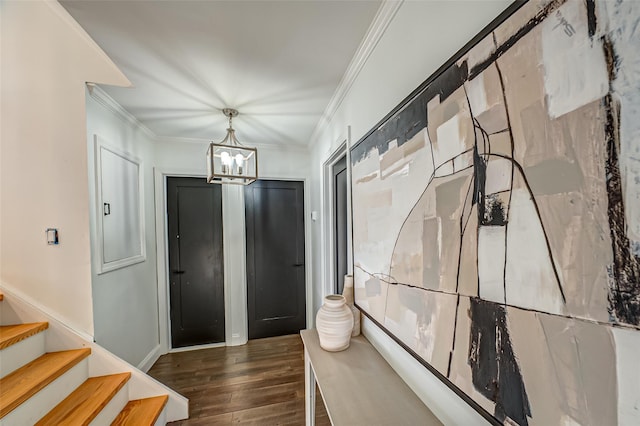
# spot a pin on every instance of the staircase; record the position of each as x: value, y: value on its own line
x: 38, y: 387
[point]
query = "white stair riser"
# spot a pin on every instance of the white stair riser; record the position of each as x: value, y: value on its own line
x: 162, y: 418
x: 16, y: 308
x: 113, y: 408
x: 21, y: 353
x: 42, y: 402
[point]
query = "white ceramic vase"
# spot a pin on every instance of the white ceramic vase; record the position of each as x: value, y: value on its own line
x: 334, y: 323
x: 347, y: 289
x: 348, y: 294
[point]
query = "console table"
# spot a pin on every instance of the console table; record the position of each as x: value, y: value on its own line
x: 358, y: 387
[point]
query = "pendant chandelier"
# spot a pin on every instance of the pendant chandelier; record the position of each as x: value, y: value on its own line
x: 229, y: 161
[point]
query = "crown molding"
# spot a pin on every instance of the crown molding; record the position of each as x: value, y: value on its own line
x: 103, y: 98
x: 378, y: 27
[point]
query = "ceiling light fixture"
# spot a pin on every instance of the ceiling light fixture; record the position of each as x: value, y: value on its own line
x: 229, y: 161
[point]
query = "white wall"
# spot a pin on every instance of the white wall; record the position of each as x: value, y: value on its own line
x: 46, y: 60
x: 419, y: 39
x: 273, y: 162
x: 186, y: 157
x: 125, y: 307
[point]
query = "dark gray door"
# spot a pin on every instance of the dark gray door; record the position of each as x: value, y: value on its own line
x: 340, y: 221
x: 194, y: 210
x: 276, y: 298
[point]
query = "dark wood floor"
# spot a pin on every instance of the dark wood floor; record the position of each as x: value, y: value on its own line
x: 261, y: 382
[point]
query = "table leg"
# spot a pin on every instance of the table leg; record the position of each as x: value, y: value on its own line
x: 310, y: 392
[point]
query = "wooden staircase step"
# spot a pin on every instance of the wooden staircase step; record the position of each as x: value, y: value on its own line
x: 12, y: 334
x: 141, y: 412
x: 23, y: 383
x: 86, y: 402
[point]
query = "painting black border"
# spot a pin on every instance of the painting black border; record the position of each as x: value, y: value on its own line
x: 502, y: 17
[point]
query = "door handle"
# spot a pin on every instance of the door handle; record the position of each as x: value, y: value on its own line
x: 178, y: 272
x: 298, y: 264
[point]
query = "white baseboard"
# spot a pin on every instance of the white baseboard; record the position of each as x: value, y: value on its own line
x: 198, y: 347
x: 150, y: 359
x: 237, y: 341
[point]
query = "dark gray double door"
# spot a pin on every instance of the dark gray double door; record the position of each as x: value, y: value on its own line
x: 275, y: 260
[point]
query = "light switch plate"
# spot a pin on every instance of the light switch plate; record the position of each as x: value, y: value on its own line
x: 52, y: 236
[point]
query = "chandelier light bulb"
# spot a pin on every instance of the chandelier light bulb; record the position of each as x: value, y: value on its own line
x: 239, y: 162
x: 226, y: 161
x: 225, y: 158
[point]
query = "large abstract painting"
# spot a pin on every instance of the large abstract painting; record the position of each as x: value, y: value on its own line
x: 496, y: 217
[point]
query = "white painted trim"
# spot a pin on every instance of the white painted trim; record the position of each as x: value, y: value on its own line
x: 100, y: 266
x: 162, y: 248
x: 10, y: 291
x: 198, y: 347
x: 162, y: 253
x: 328, y: 223
x: 103, y: 98
x: 349, y: 206
x: 376, y: 30
x: 232, y: 200
x: 308, y: 258
x: 162, y: 263
x: 151, y: 358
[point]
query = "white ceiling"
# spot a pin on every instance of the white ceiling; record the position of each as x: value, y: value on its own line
x: 277, y: 62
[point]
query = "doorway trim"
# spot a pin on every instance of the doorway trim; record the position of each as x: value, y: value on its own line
x: 232, y: 322
x: 328, y: 222
x: 162, y: 255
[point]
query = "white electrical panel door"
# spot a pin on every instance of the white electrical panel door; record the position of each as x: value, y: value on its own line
x: 119, y: 209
